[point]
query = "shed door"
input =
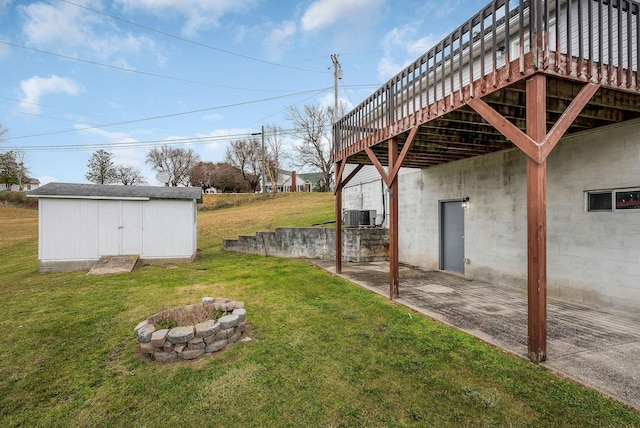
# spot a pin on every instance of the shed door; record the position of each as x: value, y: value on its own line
x: 452, y: 236
x: 131, y: 227
x: 120, y: 226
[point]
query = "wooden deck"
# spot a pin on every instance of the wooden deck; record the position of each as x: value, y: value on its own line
x: 519, y: 73
x: 434, y: 93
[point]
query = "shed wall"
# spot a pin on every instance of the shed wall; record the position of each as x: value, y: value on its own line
x: 593, y: 258
x: 170, y: 229
x: 80, y: 231
x: 68, y: 229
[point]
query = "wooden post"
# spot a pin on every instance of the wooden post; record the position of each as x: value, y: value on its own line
x: 338, y: 195
x: 537, y: 222
x: 394, y: 269
x: 537, y: 144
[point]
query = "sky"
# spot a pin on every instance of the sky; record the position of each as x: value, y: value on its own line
x: 127, y: 75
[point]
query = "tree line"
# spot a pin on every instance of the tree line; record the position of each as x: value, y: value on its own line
x: 244, y: 161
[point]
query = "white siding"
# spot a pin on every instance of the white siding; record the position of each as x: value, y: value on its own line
x: 68, y: 229
x: 169, y: 229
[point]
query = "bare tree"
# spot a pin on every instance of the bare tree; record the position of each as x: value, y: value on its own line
x: 22, y: 172
x: 312, y: 126
x: 274, y: 139
x: 246, y: 155
x: 176, y: 161
x: 130, y: 176
x: 101, y: 168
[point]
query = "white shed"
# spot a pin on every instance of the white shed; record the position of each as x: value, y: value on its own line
x: 79, y: 223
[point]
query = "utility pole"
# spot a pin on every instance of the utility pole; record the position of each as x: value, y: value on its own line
x: 337, y: 75
x: 264, y: 183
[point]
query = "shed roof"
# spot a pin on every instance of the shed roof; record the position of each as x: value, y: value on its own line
x: 97, y: 191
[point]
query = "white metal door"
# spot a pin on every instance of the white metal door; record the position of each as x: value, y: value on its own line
x: 109, y: 222
x: 120, y: 226
x: 131, y: 230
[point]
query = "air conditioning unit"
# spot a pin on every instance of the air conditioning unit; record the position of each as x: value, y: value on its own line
x: 367, y: 218
x: 351, y: 218
x: 359, y: 218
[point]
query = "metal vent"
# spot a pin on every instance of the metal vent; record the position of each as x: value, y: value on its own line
x: 359, y: 218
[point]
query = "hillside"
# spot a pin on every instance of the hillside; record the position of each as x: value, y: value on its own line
x: 220, y: 216
x: 252, y: 214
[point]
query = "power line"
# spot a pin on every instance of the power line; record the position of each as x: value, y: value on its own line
x: 147, y: 143
x: 317, y: 91
x: 193, y: 42
x: 130, y: 70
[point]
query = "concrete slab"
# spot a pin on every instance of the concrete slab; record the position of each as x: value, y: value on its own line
x: 108, y: 265
x: 591, y: 346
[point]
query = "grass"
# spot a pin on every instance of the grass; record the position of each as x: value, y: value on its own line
x: 325, y: 353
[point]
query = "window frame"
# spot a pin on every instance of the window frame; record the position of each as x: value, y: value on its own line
x: 613, y: 195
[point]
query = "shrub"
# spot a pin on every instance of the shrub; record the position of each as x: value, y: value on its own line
x: 18, y: 199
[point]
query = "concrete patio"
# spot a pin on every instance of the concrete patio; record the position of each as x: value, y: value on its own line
x: 593, y: 347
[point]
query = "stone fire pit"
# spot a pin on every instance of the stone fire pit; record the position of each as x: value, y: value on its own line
x: 189, y: 332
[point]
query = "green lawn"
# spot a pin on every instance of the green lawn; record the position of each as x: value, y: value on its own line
x: 325, y: 353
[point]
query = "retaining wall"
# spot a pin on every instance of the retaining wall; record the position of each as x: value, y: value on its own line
x: 358, y: 244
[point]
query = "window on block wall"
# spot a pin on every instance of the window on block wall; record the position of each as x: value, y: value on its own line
x: 613, y: 200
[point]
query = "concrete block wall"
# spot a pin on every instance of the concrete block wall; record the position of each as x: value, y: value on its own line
x: 359, y: 244
x: 593, y: 258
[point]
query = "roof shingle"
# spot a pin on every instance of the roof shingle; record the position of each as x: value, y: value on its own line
x: 97, y: 191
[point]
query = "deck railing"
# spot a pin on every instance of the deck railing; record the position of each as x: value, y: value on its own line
x: 589, y: 40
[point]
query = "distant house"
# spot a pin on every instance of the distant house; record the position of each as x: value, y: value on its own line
x: 304, y: 182
x: 32, y: 184
x: 79, y: 223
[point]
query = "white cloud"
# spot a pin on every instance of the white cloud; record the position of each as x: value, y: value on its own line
x: 62, y: 27
x: 213, y: 117
x: 278, y: 39
x: 199, y: 14
x: 401, y: 47
x: 324, y: 13
x: 328, y: 100
x: 37, y: 87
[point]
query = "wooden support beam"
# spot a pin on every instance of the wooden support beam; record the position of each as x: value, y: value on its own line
x: 353, y: 174
x: 405, y: 149
x: 537, y: 144
x: 506, y: 128
x: 537, y: 223
x: 339, y: 169
x: 394, y: 265
x: 567, y: 118
x: 374, y: 160
x: 537, y: 150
